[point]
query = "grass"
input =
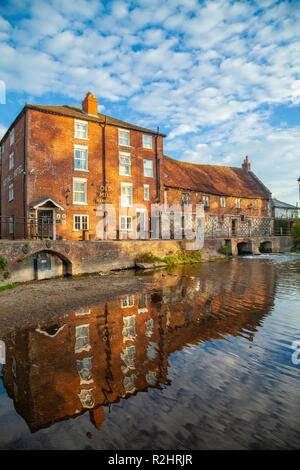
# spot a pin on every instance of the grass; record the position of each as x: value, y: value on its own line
x: 171, y: 260
x: 3, y: 262
x: 9, y: 286
x: 224, y: 250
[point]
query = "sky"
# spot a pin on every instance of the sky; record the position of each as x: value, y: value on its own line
x: 220, y: 77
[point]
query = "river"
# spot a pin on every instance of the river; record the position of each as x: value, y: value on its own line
x: 207, y: 359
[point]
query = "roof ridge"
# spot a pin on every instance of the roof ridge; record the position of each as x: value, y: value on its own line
x: 202, y: 164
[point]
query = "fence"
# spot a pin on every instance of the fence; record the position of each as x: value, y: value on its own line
x: 13, y: 227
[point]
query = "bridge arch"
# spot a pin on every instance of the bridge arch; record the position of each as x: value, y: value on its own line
x: 244, y: 248
x: 265, y: 247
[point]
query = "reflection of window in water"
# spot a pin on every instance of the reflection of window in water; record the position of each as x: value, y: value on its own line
x: 149, y: 327
x: 127, y: 301
x: 82, y: 338
x: 208, y: 307
x: 14, y: 367
x: 2, y: 352
x: 152, y: 350
x: 86, y: 398
x: 82, y: 311
x: 128, y: 383
x: 128, y: 331
x: 142, y: 303
x: 128, y: 357
x: 151, y: 377
x: 84, y: 368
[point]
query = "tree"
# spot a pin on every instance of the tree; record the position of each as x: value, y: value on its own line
x: 295, y: 232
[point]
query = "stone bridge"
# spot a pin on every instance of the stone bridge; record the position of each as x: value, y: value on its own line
x: 26, y: 260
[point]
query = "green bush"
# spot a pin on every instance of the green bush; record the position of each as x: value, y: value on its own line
x: 224, y: 250
x: 3, y: 262
x: 295, y: 232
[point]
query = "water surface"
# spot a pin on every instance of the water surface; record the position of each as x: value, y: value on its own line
x: 204, y: 362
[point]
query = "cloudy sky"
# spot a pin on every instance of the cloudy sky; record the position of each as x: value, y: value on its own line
x: 220, y: 77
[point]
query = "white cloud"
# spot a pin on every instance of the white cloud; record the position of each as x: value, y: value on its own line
x: 205, y: 71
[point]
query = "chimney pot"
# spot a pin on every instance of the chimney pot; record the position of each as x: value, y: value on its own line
x: 90, y: 104
x: 246, y: 165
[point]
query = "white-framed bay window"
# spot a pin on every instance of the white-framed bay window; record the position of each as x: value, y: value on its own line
x: 80, y: 222
x: 124, y: 164
x: 147, y: 141
x: 80, y: 129
x: 81, y: 157
x: 124, y: 137
x: 79, y: 191
x: 148, y: 168
x: 126, y: 222
x: 126, y: 194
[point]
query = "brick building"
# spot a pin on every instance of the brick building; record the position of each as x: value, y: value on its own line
x: 63, y: 168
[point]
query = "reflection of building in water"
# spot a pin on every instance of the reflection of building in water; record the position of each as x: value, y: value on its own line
x: 98, y: 355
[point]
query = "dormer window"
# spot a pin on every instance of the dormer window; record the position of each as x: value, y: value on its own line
x: 185, y: 197
x: 206, y: 201
x: 238, y: 203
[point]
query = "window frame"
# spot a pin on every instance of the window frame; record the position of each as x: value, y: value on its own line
x: 123, y: 131
x: 11, y: 225
x: 81, y: 148
x: 80, y: 180
x: 124, y: 155
x: 12, y: 136
x: 146, y: 146
x: 146, y: 161
x: 81, y: 225
x: 11, y: 161
x: 81, y: 123
x: 206, y: 200
x: 147, y: 186
x: 223, y: 198
x: 124, y: 184
x: 255, y: 204
x: 184, y: 196
x: 10, y: 192
x: 126, y: 217
x: 238, y: 205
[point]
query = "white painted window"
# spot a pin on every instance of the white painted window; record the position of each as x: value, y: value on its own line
x: 185, y: 198
x: 10, y: 192
x: 11, y: 161
x: 124, y: 164
x: 206, y: 200
x: 80, y: 157
x: 81, y: 222
x: 125, y: 222
x: 127, y: 301
x: 81, y: 129
x: 126, y: 194
x: 11, y: 225
x: 12, y: 137
x: 255, y: 204
x: 124, y: 137
x: 147, y: 141
x: 79, y: 191
x: 238, y: 203
x: 82, y: 338
x: 222, y: 201
x: 146, y: 192
x: 148, y: 168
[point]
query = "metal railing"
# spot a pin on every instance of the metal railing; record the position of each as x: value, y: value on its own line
x: 13, y: 227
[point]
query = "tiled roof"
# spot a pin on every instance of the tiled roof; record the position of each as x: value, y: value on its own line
x: 77, y: 113
x: 212, y: 179
x: 283, y: 205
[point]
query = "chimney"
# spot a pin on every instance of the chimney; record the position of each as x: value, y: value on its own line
x: 246, y: 165
x: 90, y: 104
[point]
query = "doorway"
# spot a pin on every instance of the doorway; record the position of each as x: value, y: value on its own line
x: 141, y: 223
x: 45, y: 223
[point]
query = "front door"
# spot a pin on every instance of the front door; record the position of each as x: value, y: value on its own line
x: 45, y: 223
x: 140, y: 224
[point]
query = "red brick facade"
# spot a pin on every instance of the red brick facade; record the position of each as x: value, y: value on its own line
x: 47, y: 176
